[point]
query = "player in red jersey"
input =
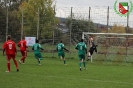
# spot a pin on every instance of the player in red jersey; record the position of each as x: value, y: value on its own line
x: 22, y: 45
x: 10, y: 48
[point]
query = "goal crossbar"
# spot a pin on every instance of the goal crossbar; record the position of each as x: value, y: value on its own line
x: 86, y: 33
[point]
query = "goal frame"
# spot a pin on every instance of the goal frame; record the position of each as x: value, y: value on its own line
x: 106, y: 34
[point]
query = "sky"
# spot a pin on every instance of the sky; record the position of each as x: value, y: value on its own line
x: 78, y: 3
x: 98, y: 10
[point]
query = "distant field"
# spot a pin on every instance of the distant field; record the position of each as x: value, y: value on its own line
x: 54, y: 74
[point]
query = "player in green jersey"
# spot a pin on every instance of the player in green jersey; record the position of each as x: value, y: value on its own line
x: 60, y: 49
x: 36, y: 48
x: 82, y: 51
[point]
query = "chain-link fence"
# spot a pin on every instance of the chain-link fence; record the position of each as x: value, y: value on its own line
x: 68, y: 23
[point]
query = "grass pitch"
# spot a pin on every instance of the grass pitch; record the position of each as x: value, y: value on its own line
x: 54, y: 74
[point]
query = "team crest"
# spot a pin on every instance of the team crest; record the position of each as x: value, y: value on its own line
x: 123, y: 8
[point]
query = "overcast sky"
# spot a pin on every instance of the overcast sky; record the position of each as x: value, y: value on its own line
x: 98, y: 10
x: 75, y: 3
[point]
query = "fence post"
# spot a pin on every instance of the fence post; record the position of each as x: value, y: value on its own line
x: 6, y: 21
x: 22, y: 24
x: 89, y: 17
x: 127, y: 31
x: 107, y: 32
x: 53, y: 32
x: 89, y: 20
x: 38, y: 23
x: 70, y: 33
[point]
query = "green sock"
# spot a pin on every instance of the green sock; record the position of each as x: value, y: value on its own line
x: 80, y: 64
x: 84, y: 64
x: 64, y: 61
x: 38, y: 62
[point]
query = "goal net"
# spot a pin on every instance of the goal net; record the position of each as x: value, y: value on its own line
x: 113, y: 47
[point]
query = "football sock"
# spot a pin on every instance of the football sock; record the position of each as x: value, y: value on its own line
x: 38, y: 61
x: 8, y: 66
x: 23, y: 59
x: 84, y: 64
x: 16, y: 64
x: 64, y: 61
x: 80, y: 64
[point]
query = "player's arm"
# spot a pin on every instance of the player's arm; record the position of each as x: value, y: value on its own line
x: 15, y: 49
x: 96, y: 48
x: 3, y: 51
x: 76, y: 47
x: 40, y: 47
x: 66, y: 49
x: 19, y: 44
x: 25, y: 44
x: 4, y: 46
x: 86, y: 50
x: 56, y: 48
x: 33, y: 47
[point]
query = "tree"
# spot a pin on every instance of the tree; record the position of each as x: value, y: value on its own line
x: 79, y: 26
x: 46, y: 17
x: 117, y: 29
x: 9, y: 7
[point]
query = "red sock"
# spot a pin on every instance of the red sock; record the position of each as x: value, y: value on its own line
x: 8, y: 66
x: 23, y: 59
x: 16, y: 64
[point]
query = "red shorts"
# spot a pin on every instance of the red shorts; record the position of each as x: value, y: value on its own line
x: 10, y: 56
x: 23, y: 53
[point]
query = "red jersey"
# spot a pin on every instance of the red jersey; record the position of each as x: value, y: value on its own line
x: 22, y: 45
x: 10, y: 47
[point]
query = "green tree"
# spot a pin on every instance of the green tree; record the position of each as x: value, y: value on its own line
x: 46, y: 16
x: 79, y: 26
x: 10, y: 7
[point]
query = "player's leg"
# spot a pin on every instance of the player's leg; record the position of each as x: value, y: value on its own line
x: 63, y: 56
x: 15, y: 61
x: 40, y: 56
x: 60, y: 56
x: 22, y: 60
x: 37, y: 56
x: 80, y: 62
x: 39, y: 62
x: 90, y: 54
x: 24, y: 56
x: 84, y: 62
x: 8, y: 58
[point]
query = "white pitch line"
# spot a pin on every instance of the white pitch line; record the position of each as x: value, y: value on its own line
x: 127, y: 83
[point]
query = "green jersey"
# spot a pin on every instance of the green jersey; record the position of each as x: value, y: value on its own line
x: 81, y: 47
x: 36, y: 47
x: 60, y: 47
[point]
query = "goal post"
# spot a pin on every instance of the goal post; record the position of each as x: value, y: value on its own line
x: 112, y: 46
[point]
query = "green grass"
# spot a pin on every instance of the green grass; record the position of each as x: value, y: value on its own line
x: 54, y: 74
